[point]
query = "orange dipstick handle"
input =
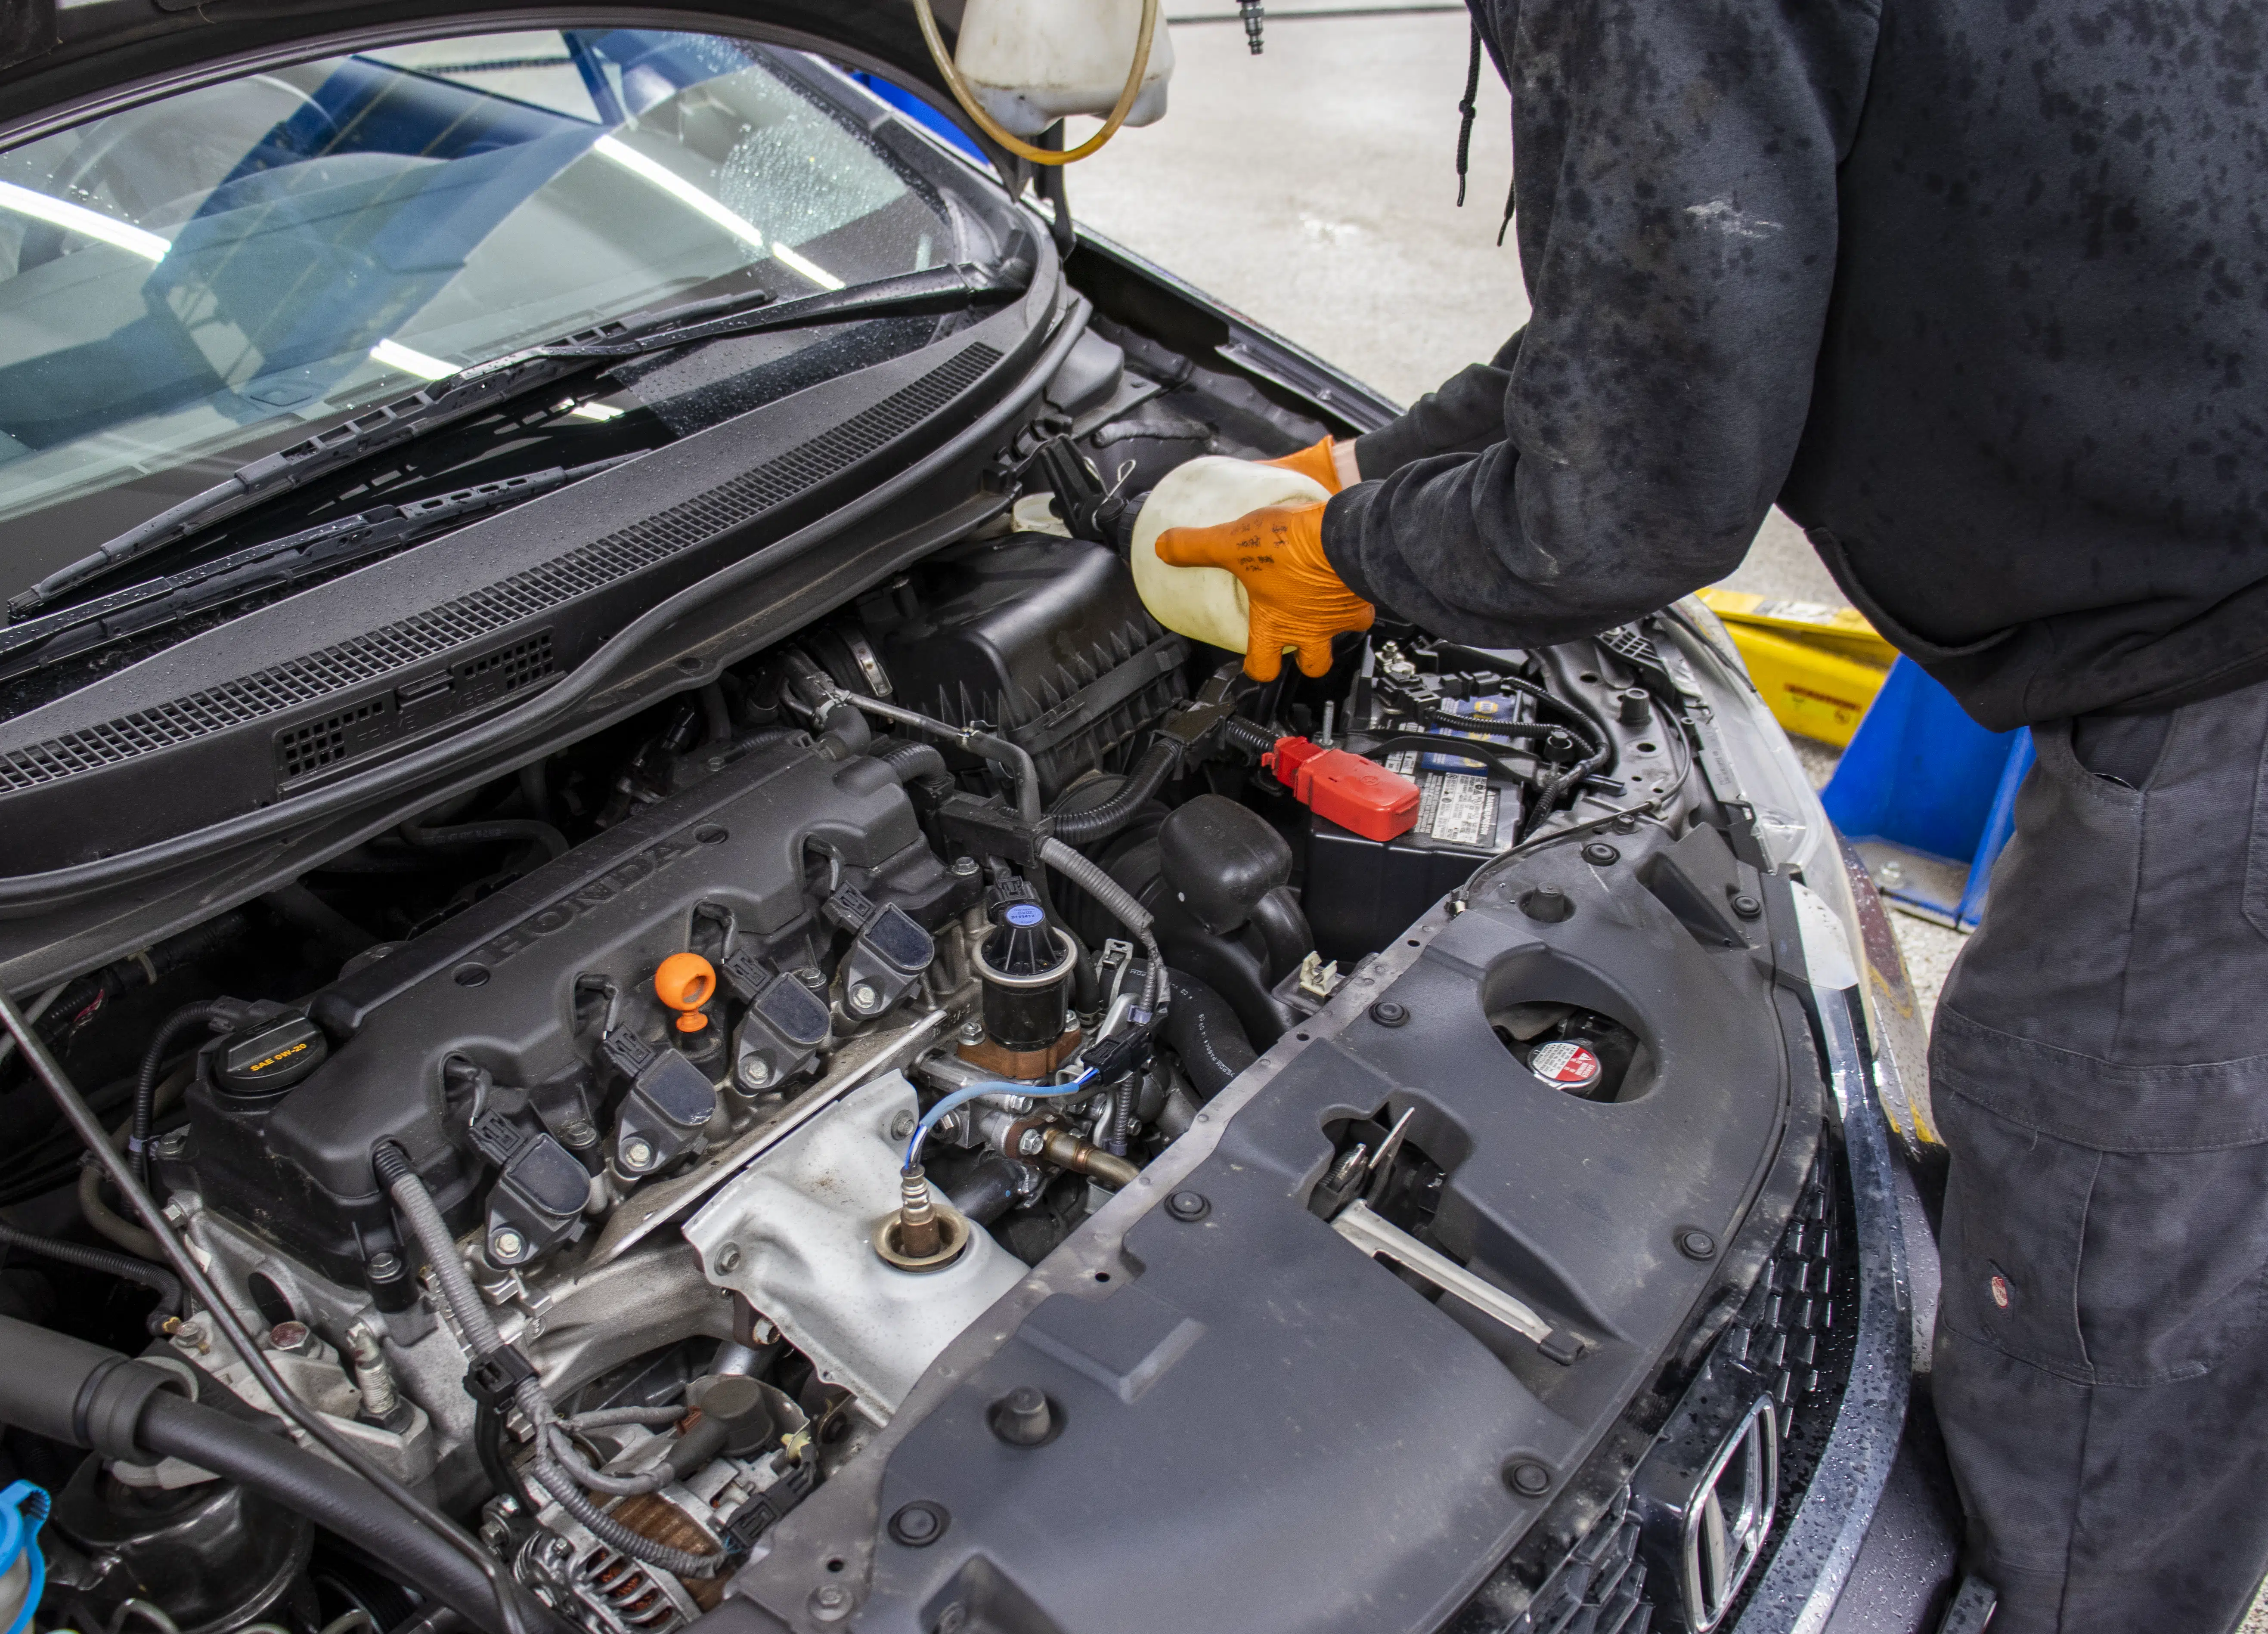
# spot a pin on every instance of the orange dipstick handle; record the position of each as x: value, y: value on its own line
x: 686, y: 981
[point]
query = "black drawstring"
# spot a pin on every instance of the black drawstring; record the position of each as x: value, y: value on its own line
x: 1510, y: 203
x: 1467, y: 109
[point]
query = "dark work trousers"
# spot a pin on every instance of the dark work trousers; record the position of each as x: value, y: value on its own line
x: 2099, y: 1069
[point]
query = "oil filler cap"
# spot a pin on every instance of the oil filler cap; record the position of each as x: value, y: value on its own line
x: 1565, y: 1065
x: 270, y: 1056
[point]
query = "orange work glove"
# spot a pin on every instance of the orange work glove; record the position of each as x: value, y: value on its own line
x: 1325, y: 462
x: 1296, y: 599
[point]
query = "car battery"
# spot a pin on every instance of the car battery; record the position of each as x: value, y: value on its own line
x: 1360, y: 893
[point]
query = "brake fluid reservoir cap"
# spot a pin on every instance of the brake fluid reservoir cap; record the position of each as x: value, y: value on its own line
x: 1564, y: 1065
x: 1207, y: 604
x: 270, y: 1056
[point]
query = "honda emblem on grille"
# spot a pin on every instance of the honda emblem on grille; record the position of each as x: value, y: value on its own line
x: 1706, y: 1504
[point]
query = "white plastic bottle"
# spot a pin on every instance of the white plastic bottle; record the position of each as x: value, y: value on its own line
x: 1207, y: 604
x: 1031, y: 62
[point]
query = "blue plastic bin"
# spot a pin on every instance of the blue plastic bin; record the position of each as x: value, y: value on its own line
x: 1928, y: 797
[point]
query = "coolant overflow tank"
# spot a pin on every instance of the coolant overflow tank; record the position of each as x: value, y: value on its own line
x: 1032, y: 63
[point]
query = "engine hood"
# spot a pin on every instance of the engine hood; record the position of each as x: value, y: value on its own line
x: 60, y: 62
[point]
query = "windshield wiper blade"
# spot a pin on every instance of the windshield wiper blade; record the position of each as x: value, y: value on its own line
x: 41, y: 643
x: 480, y: 386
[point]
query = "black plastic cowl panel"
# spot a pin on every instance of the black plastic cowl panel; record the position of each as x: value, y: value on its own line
x: 1263, y: 1429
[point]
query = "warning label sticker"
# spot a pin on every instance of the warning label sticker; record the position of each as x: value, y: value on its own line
x: 1457, y: 809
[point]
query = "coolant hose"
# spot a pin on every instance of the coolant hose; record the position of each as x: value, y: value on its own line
x: 495, y: 831
x: 125, y: 1267
x: 84, y: 1396
x: 272, y: 1466
x: 1100, y: 821
x: 187, y: 1018
x: 1207, y: 1036
x: 909, y: 760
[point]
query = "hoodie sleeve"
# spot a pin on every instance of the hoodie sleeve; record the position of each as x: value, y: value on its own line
x: 1463, y: 415
x: 1676, y: 170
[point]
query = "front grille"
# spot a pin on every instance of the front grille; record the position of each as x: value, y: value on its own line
x: 1791, y: 1341
x: 1799, y: 1329
x: 1600, y: 1587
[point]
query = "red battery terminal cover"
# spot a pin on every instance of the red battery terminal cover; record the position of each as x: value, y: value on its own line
x: 1358, y: 795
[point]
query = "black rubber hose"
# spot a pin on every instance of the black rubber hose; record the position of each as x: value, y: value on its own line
x: 84, y: 1396
x: 1101, y: 822
x: 765, y: 736
x: 243, y: 1452
x: 187, y: 1018
x: 990, y: 1190
x: 908, y: 761
x: 495, y: 831
x: 125, y: 1267
x: 1205, y: 1033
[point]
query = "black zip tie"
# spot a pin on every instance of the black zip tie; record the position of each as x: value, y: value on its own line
x: 1467, y: 109
x: 1510, y: 203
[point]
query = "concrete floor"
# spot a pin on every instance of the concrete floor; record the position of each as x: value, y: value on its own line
x: 1314, y: 188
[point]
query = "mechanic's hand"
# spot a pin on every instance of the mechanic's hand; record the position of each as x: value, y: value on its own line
x: 1296, y: 599
x: 1328, y: 462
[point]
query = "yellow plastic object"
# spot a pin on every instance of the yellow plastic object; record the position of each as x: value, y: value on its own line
x: 1818, y: 667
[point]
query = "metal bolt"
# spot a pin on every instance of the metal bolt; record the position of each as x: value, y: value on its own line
x: 291, y: 1336
x: 953, y: 1619
x: 1023, y: 1416
x: 965, y: 867
x: 830, y: 1602
x: 1695, y: 1244
x: 1891, y: 873
x: 384, y: 1266
x: 1030, y: 1144
x: 1529, y: 1478
x: 1548, y: 904
x: 756, y: 1073
x: 1189, y: 1205
x: 1390, y: 1013
x: 972, y: 1031
x: 506, y: 1245
x: 728, y: 1258
x: 863, y: 996
x: 902, y: 1127
x: 172, y: 1146
x: 1599, y: 854
x: 637, y: 1156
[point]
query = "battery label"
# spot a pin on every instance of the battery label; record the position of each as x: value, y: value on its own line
x: 1457, y: 809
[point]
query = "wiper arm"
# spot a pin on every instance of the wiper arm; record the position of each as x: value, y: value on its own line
x: 40, y: 642
x: 482, y: 385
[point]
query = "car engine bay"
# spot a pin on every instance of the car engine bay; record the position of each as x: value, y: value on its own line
x: 614, y: 1152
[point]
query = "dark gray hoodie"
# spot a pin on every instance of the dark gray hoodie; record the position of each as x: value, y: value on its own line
x: 1974, y: 289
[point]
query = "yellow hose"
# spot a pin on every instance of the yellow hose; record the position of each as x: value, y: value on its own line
x: 1008, y: 139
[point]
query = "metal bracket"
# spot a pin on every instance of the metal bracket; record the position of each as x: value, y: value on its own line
x: 1362, y: 1226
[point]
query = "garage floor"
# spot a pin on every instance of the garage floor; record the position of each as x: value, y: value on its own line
x: 1315, y: 186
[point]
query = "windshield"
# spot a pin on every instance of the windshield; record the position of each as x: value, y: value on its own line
x: 197, y: 281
